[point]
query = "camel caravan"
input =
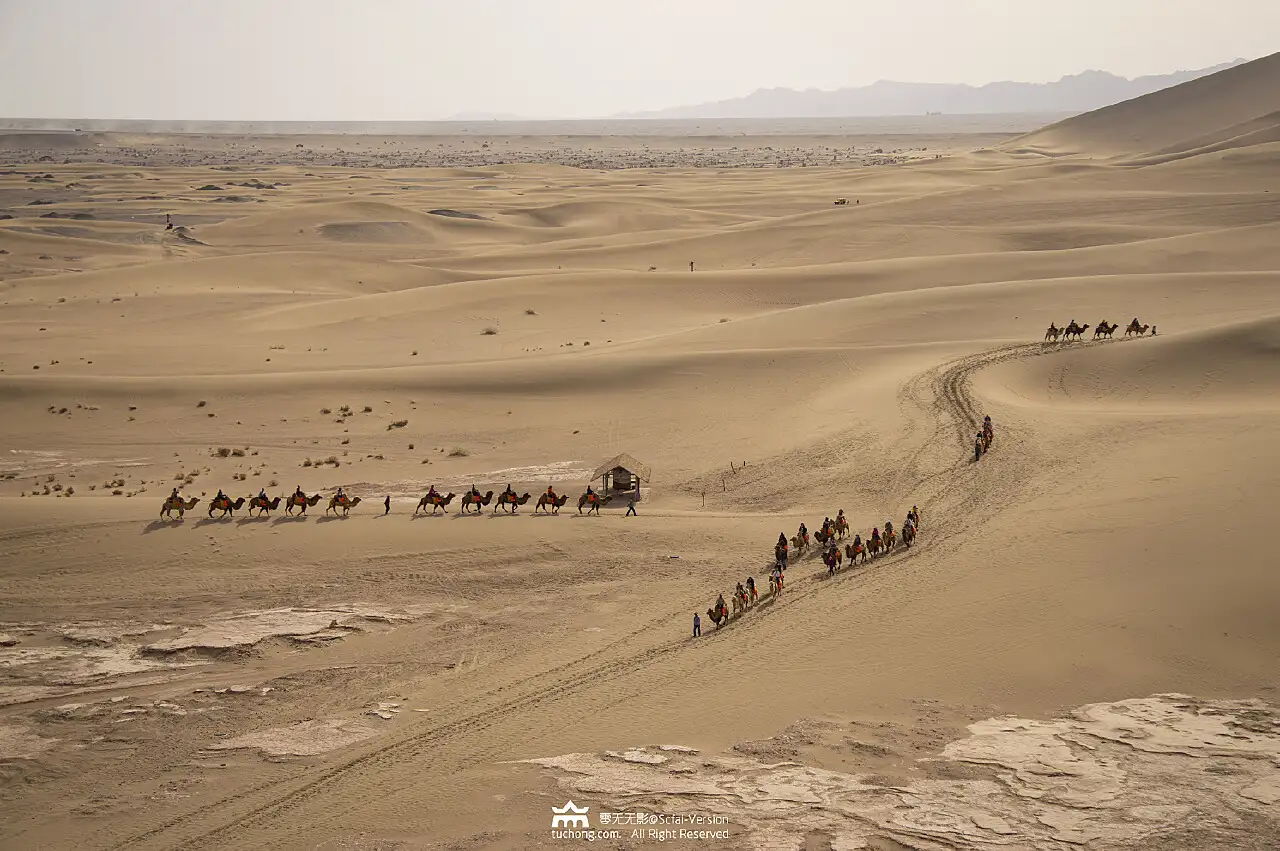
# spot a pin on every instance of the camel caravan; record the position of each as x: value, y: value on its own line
x: 826, y: 541
x: 1104, y: 330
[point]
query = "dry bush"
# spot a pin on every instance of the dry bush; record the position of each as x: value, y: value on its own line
x: 398, y: 424
x: 345, y: 441
x: 369, y: 410
x: 221, y: 452
x: 490, y: 331
x: 307, y: 463
x: 458, y: 452
x: 529, y: 311
x: 273, y: 483
x: 201, y: 403
x: 325, y: 411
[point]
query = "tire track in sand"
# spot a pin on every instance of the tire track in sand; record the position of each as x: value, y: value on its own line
x: 943, y: 392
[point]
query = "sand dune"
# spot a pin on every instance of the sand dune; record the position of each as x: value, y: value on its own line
x: 1169, y: 120
x: 409, y: 681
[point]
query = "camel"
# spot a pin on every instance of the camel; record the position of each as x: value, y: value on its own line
x: 507, y: 499
x: 596, y: 501
x: 824, y: 537
x: 1104, y: 330
x: 852, y: 552
x: 263, y: 505
x: 841, y: 526
x: 832, y: 559
x: 873, y: 546
x: 1053, y: 333
x: 890, y: 539
x: 469, y: 499
x: 739, y: 604
x: 435, y: 502
x: 719, y: 616
x: 178, y: 505
x: 346, y: 504
x: 556, y: 504
x: 226, y: 505
x: 1076, y: 331
x: 798, y: 544
x: 1134, y: 328
x: 294, y: 501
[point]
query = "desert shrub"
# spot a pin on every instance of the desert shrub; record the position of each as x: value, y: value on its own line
x: 458, y: 452
x: 490, y: 331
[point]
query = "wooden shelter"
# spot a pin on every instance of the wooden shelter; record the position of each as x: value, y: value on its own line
x: 622, y: 474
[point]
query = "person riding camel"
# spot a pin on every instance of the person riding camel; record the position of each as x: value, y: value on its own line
x: 751, y: 586
x: 804, y: 533
x: 474, y: 492
x: 221, y: 496
x: 875, y: 534
x: 433, y: 493
x: 262, y: 494
x: 782, y: 536
x: 742, y: 592
x: 509, y: 492
x: 720, y: 606
x: 551, y: 493
x: 857, y: 543
x: 174, y: 496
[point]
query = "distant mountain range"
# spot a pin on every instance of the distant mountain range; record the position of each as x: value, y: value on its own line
x: 1075, y: 93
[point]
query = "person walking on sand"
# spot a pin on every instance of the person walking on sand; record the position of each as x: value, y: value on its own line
x: 386, y: 506
x: 690, y: 265
x: 697, y: 625
x: 631, y: 508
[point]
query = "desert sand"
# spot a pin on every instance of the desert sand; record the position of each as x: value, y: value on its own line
x: 1080, y: 648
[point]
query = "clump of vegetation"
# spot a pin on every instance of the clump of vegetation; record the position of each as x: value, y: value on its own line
x: 325, y: 411
x: 221, y: 452
x: 345, y: 410
x: 490, y: 331
x: 398, y: 424
x: 458, y: 452
x: 201, y: 403
x: 307, y: 463
x: 368, y: 409
x: 529, y: 311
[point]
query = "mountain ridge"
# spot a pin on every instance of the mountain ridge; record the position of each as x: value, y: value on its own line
x: 1088, y: 90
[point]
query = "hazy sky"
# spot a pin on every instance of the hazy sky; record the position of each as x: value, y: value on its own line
x: 430, y: 59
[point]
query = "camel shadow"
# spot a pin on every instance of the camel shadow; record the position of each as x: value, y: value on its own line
x: 330, y: 518
x: 246, y: 520
x: 157, y: 525
x: 416, y: 516
x: 288, y: 518
x: 210, y: 521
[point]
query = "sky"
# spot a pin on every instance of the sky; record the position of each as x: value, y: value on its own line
x: 418, y: 60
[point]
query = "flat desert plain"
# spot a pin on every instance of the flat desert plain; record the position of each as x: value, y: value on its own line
x: 1078, y: 651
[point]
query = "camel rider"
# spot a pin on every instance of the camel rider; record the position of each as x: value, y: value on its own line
x: 782, y: 537
x: 915, y: 514
x: 433, y: 493
x: 804, y: 533
x: 262, y: 494
x: 857, y: 543
x: 341, y: 497
x: 751, y: 585
x: 840, y: 518
x: 221, y: 496
x: 174, y: 496
x: 509, y: 492
x: 742, y: 592
x: 551, y: 492
x: 298, y: 494
x: 475, y: 492
x: 720, y: 606
x: 590, y: 492
x: 875, y: 534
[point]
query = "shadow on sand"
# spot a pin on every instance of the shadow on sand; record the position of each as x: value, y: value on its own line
x: 157, y: 525
x: 289, y: 518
